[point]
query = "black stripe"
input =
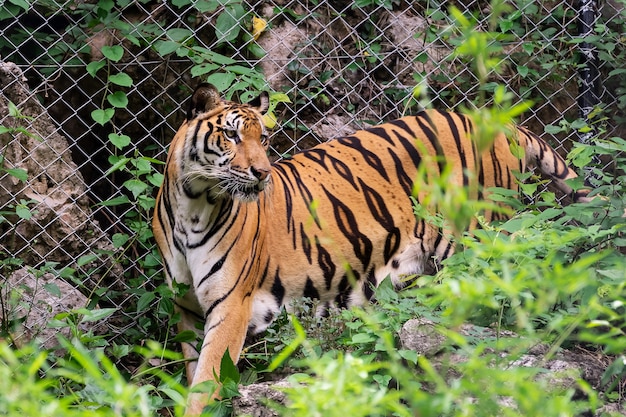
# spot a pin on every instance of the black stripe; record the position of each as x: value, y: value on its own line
x: 320, y: 156
x: 408, y: 143
x: 326, y: 264
x: 370, y: 157
x: 460, y: 145
x: 344, y: 289
x: 306, y: 244
x: 497, y: 168
x: 164, y: 205
x: 264, y: 274
x: 220, y: 223
x: 431, y: 134
x: 382, y: 132
x: 381, y: 214
x: 406, y: 181
x: 347, y: 224
x: 310, y: 291
x: 278, y: 291
x: 207, y: 136
x: 291, y: 175
x: 280, y: 173
x: 214, y: 268
x: 370, y: 284
x: 216, y: 325
x: 193, y: 149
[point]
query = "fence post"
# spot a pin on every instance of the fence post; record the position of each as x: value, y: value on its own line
x: 589, y: 83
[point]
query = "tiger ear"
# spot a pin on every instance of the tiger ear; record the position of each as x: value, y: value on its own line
x: 205, y: 98
x: 261, y: 103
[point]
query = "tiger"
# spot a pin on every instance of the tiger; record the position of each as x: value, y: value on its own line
x: 247, y: 236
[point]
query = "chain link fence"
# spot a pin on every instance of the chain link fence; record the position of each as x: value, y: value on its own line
x: 89, y: 121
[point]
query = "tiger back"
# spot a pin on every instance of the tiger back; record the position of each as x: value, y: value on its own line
x: 329, y: 223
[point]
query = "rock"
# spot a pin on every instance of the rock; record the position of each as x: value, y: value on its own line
x: 56, y: 226
x: 31, y: 301
x: 421, y: 336
x: 279, y: 45
x: 255, y: 397
x: 563, y: 370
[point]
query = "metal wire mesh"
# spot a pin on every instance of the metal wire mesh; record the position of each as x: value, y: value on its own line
x: 343, y: 65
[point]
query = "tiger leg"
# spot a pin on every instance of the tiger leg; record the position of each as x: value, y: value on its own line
x: 188, y: 321
x: 225, y: 328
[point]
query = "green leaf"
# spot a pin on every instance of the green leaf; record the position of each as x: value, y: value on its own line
x: 120, y: 142
x: 85, y: 259
x: 204, y: 6
x: 120, y: 239
x: 505, y: 25
x: 115, y: 201
x: 151, y: 260
x: 155, y: 179
x: 617, y: 71
x: 19, y: 173
x: 550, y: 213
x: 21, y: 3
x: 113, y: 53
x: 120, y: 351
x: 581, y: 156
x: 218, y: 409
x: 289, y: 349
x: 164, y: 48
x: 409, y: 355
x: 213, y: 56
x: 230, y: 389
x: 173, y: 395
x: 67, y: 273
x: 207, y: 387
x: 551, y: 129
x: 198, y: 70
x: 256, y: 49
x: 179, y: 35
x: 96, y: 314
x: 102, y: 116
x: 94, y: 67
x: 122, y: 79
x: 382, y: 380
x: 221, y: 80
x: 135, y: 186
x: 106, y: 5
x: 239, y: 69
x: 221, y: 59
x: 227, y: 26
x: 522, y: 70
x: 118, y: 99
x: 52, y: 289
x: 13, y: 110
x: 153, y: 160
x: 185, y: 336
x: 144, y: 301
x: 23, y: 212
x: 142, y: 165
x: 362, y: 338
x: 117, y: 165
x: 228, y: 370
x: 279, y: 98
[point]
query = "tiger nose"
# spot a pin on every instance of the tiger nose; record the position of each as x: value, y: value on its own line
x: 260, y: 173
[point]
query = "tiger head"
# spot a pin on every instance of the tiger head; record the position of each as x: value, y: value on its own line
x: 226, y: 144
